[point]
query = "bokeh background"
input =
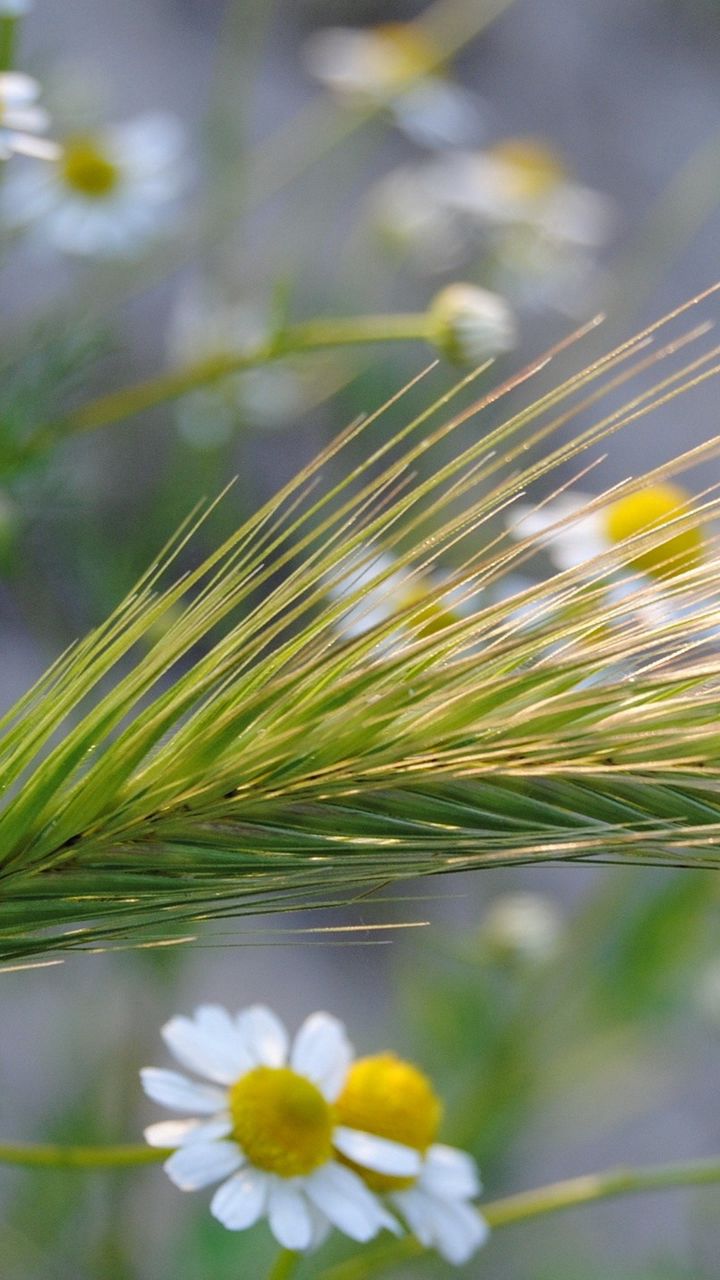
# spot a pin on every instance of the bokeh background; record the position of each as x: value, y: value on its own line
x: 574, y: 1030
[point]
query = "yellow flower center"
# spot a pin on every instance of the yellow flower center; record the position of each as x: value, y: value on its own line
x: 650, y: 509
x: 281, y: 1121
x: 87, y: 170
x: 393, y: 1099
x: 404, y: 52
x: 533, y: 167
x: 434, y: 617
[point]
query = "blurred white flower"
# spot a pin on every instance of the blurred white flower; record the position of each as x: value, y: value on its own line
x: 573, y: 536
x: 14, y: 8
x: 107, y: 193
x: 409, y: 219
x: 21, y: 119
x: 523, y: 181
x: 268, y: 1126
x: 524, y: 926
x: 375, y: 589
x: 395, y: 64
x: 469, y: 325
x: 391, y: 1098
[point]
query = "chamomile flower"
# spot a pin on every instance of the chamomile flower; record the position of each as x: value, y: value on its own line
x: 523, y: 181
x: 107, y: 193
x: 573, y: 536
x: 393, y: 1099
x: 375, y: 588
x: 21, y: 119
x: 524, y: 927
x: 395, y: 64
x: 266, y: 1129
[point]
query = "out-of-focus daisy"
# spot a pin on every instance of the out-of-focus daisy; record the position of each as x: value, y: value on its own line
x: 266, y: 1127
x: 573, y: 536
x: 521, y: 926
x: 21, y: 119
x: 392, y: 1098
x: 523, y: 180
x: 107, y: 193
x: 375, y: 589
x: 395, y: 64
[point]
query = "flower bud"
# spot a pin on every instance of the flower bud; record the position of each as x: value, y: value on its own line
x: 468, y: 324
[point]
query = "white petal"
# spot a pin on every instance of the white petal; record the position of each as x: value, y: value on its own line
x: 289, y: 1215
x: 450, y: 1173
x: 177, y: 1133
x: 455, y: 1229
x: 411, y: 1204
x: 265, y: 1036
x: 208, y: 1043
x: 240, y: 1201
x: 322, y: 1052
x: 380, y: 1154
x: 172, y: 1090
x: 345, y: 1200
x: 200, y: 1163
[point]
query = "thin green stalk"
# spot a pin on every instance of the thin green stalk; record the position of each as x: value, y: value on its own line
x: 542, y: 1200
x: 59, y: 1156
x: 311, y: 335
x: 284, y: 1265
x: 8, y: 41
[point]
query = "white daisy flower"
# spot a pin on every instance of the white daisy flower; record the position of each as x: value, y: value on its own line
x: 522, y: 926
x: 573, y: 536
x: 21, y: 119
x: 395, y: 63
x: 266, y: 1127
x: 393, y: 1099
x: 376, y: 590
x: 107, y: 193
x: 523, y: 181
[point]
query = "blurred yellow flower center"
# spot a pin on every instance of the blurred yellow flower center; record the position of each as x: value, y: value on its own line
x: 87, y: 170
x: 404, y: 52
x: 393, y: 1099
x: 533, y: 167
x: 648, y: 510
x: 434, y: 617
x: 281, y: 1121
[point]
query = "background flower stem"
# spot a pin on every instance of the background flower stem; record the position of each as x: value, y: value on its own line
x: 311, y: 335
x: 284, y: 1265
x: 542, y: 1200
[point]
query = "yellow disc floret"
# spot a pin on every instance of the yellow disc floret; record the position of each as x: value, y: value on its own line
x: 651, y: 509
x: 87, y: 170
x: 392, y: 1099
x: 404, y: 52
x: 534, y: 169
x: 433, y: 617
x: 281, y: 1121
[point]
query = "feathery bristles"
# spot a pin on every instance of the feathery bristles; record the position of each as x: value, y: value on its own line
x: 311, y: 712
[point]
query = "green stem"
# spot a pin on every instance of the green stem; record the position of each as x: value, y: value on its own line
x: 58, y: 1156
x: 542, y: 1200
x: 8, y: 39
x: 311, y: 335
x: 284, y: 1265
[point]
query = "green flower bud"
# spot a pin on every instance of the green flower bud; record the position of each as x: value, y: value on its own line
x: 469, y: 325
